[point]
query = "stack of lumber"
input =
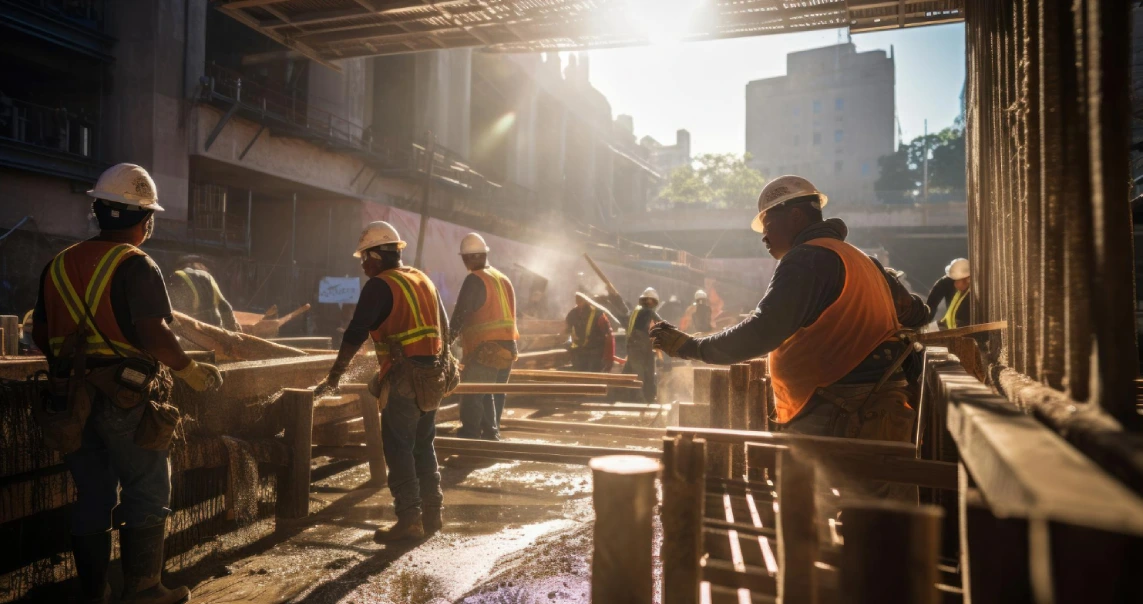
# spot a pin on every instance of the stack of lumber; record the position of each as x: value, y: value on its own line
x: 230, y: 345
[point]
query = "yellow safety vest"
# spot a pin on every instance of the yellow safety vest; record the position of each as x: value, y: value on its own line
x: 954, y: 305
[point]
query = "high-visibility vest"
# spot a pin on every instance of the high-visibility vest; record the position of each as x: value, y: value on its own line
x: 954, y: 305
x: 582, y: 337
x: 194, y: 279
x: 849, y: 330
x: 495, y: 320
x: 79, y: 290
x: 414, y: 321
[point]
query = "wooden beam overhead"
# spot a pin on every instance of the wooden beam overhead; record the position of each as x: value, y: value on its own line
x: 239, y: 4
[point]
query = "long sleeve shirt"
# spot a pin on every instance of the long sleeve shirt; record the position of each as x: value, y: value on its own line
x: 373, y: 307
x: 806, y: 281
x: 943, y: 291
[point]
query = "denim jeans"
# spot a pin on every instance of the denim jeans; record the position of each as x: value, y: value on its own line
x: 407, y: 436
x: 480, y: 413
x: 110, y: 469
x: 642, y: 364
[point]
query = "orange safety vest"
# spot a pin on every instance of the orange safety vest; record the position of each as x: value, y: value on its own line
x: 80, y: 285
x: 495, y: 320
x: 414, y: 321
x: 851, y: 328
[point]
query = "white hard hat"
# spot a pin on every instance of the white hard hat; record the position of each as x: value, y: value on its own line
x: 783, y: 189
x: 957, y: 269
x: 378, y: 233
x: 650, y: 293
x: 129, y: 185
x: 473, y: 243
x: 700, y: 295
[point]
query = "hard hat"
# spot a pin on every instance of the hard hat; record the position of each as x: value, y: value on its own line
x: 473, y: 243
x: 700, y: 295
x: 650, y: 293
x: 378, y: 233
x: 129, y: 185
x: 957, y: 269
x: 583, y: 297
x: 783, y: 189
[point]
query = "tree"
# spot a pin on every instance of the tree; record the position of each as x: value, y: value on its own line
x: 717, y: 179
x: 902, y: 171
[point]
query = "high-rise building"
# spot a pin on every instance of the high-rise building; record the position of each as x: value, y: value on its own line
x: 668, y: 157
x: 828, y: 119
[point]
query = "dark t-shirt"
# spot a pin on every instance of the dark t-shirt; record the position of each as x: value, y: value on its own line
x: 137, y: 292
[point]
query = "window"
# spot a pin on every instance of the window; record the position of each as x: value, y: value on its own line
x: 837, y: 166
x: 837, y: 135
x: 865, y: 169
x: 817, y: 138
x: 838, y: 104
x: 817, y: 106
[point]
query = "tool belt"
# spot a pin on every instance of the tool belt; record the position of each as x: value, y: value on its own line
x: 491, y: 354
x: 427, y: 383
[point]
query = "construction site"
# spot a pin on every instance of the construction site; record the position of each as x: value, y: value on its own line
x: 659, y: 442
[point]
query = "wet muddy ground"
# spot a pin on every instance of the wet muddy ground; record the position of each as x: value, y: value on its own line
x: 515, y: 533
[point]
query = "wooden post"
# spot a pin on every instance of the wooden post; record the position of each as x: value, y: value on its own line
x: 623, y: 494
x: 759, y: 368
x: 684, y: 495
x: 797, y: 531
x: 701, y: 394
x: 294, y: 479
x: 890, y: 553
x: 11, y: 326
x: 757, y: 406
x: 692, y: 415
x: 372, y: 423
x: 739, y: 377
x: 758, y: 468
x: 718, y: 454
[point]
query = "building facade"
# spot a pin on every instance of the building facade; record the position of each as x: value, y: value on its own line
x: 828, y: 119
x: 666, y: 158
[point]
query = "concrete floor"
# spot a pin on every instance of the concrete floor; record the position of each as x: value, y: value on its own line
x: 515, y: 533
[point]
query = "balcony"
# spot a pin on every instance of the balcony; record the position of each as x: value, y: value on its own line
x: 57, y: 141
x: 73, y: 24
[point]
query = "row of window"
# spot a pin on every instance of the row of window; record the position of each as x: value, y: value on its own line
x: 838, y: 105
x: 838, y: 136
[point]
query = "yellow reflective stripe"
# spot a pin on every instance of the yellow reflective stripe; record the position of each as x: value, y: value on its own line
x: 490, y: 325
x: 950, y: 314
x: 407, y: 289
x: 590, y: 322
x: 95, y: 345
x: 102, y: 276
x: 215, y: 291
x: 417, y: 334
x: 59, y: 279
x: 194, y: 292
x: 501, y: 291
x: 631, y: 322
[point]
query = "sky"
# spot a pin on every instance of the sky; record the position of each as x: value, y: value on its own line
x: 702, y: 86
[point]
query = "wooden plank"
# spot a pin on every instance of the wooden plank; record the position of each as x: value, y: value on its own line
x: 372, y: 423
x: 294, y: 480
x: 866, y: 466
x: 336, y: 408
x: 797, y: 530
x: 890, y: 553
x: 948, y: 334
x: 718, y: 452
x: 464, y: 445
x: 623, y: 496
x: 739, y: 378
x: 994, y: 561
x: 584, y: 428
x: 749, y: 577
x: 684, y: 467
x: 811, y: 443
x: 537, y: 389
x: 576, y: 377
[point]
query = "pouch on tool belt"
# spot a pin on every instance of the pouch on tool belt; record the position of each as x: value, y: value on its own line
x: 491, y: 354
x: 427, y: 383
x: 128, y: 383
x: 65, y: 403
x: 157, y: 427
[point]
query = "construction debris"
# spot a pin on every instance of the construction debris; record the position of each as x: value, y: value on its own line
x: 230, y: 345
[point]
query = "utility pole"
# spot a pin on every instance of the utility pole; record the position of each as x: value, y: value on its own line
x: 430, y: 159
x: 925, y: 181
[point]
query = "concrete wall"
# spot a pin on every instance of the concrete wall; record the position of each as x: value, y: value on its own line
x: 342, y: 94
x: 442, y: 97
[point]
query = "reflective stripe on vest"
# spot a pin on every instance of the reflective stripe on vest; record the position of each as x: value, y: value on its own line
x: 847, y: 331
x: 495, y: 320
x: 576, y: 342
x: 410, y: 322
x: 194, y: 290
x: 954, y: 305
x: 86, y: 310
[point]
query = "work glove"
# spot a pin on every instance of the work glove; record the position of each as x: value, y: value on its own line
x: 328, y: 386
x: 674, y: 343
x: 200, y: 376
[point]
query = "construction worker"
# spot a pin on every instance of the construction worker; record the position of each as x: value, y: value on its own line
x: 195, y: 292
x: 953, y: 290
x: 102, y: 317
x: 830, y: 321
x: 400, y: 309
x: 697, y: 318
x: 640, y: 355
x: 485, y: 319
x: 592, y: 344
x: 672, y: 309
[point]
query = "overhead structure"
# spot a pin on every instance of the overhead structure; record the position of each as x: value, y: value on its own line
x: 328, y: 30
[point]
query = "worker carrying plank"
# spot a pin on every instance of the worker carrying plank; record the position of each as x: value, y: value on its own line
x: 953, y: 290
x: 485, y: 320
x: 640, y: 355
x: 194, y: 292
x: 400, y: 310
x: 831, y: 321
x: 101, y: 319
x: 592, y: 343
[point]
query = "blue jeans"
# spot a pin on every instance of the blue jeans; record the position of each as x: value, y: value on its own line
x: 407, y: 436
x: 110, y: 469
x: 480, y: 413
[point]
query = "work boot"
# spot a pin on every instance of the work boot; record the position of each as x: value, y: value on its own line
x: 92, y: 555
x: 141, y: 551
x: 407, y: 527
x: 431, y: 520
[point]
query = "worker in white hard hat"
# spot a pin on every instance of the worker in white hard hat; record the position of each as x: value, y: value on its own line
x: 831, y: 322
x: 953, y: 291
x: 698, y: 317
x: 591, y: 340
x: 400, y: 310
x: 484, y: 318
x: 640, y: 355
x: 102, y: 318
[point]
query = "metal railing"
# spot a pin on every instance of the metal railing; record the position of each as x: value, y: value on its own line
x: 55, y: 128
